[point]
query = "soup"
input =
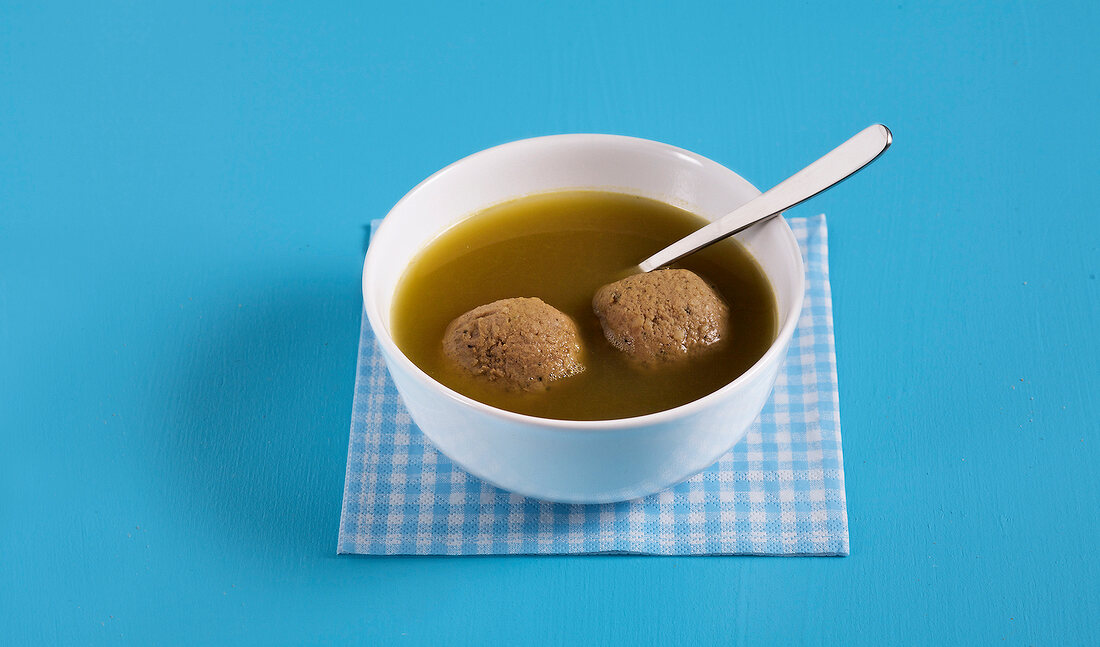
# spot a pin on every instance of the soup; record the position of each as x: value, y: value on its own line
x: 562, y: 247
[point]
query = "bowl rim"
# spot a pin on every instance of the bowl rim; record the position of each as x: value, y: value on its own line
x: 394, y: 353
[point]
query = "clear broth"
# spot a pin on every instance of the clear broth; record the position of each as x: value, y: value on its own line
x: 561, y: 247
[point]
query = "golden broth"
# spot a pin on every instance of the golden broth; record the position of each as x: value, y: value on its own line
x: 561, y: 247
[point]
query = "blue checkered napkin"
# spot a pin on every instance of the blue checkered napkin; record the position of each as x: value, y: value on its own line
x: 780, y: 491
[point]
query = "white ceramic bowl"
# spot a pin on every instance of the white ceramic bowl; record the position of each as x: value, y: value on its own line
x: 590, y: 461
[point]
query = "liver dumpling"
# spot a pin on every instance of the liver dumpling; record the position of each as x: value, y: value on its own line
x: 662, y: 316
x: 523, y: 343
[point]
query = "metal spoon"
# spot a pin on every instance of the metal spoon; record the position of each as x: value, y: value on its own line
x: 830, y: 169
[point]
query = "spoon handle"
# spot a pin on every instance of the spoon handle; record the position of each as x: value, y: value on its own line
x: 833, y: 167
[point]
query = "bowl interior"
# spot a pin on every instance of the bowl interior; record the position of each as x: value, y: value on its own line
x: 605, y: 162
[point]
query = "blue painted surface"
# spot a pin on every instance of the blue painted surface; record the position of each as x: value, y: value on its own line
x: 183, y: 192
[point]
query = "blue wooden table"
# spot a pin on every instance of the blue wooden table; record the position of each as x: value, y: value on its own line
x: 183, y: 194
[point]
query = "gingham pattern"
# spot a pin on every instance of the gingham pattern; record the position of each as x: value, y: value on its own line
x: 780, y: 491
